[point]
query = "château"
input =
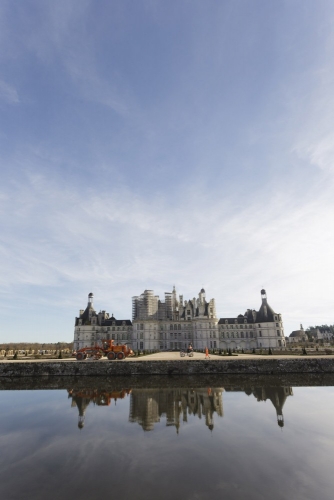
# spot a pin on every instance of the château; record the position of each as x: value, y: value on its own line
x: 174, y: 323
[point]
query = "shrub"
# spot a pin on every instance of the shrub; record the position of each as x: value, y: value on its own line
x: 15, y: 355
x: 270, y: 351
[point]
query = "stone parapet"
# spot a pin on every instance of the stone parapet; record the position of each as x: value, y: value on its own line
x: 238, y: 366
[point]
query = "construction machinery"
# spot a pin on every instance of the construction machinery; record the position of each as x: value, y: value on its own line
x: 106, y: 348
x: 82, y: 397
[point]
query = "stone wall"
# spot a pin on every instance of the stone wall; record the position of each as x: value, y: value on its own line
x: 62, y: 368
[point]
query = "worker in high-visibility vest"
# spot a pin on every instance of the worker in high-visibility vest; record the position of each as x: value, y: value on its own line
x: 207, y: 353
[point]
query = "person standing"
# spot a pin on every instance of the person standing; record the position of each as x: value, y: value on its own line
x: 206, y: 353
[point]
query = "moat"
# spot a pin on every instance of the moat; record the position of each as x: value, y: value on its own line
x: 199, y: 437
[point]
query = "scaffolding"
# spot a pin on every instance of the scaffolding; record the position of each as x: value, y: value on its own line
x: 145, y: 306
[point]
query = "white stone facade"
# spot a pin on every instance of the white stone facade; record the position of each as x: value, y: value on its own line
x: 323, y: 334
x: 175, y: 323
x: 90, y: 327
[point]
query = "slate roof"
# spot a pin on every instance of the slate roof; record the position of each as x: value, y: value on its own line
x: 85, y: 315
x: 240, y: 320
x: 298, y: 333
x: 265, y: 313
x: 116, y: 322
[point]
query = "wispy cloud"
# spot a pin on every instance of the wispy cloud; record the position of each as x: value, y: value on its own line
x: 120, y: 243
x: 8, y: 93
x: 159, y: 149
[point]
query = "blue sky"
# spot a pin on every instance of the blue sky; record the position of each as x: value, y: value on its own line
x: 146, y: 144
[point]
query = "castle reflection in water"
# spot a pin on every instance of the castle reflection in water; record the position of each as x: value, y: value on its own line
x: 149, y: 406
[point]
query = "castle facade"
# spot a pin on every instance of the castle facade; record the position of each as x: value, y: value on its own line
x: 175, y: 323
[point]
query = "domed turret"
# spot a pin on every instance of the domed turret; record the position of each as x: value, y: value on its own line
x: 86, y: 316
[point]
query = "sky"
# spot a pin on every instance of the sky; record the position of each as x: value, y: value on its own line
x: 146, y: 144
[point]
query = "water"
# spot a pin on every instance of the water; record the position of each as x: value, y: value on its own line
x: 167, y: 438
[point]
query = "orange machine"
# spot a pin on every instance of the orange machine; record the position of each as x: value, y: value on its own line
x: 105, y: 348
x: 100, y: 398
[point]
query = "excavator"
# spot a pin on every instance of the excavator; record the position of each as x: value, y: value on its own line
x: 107, y: 348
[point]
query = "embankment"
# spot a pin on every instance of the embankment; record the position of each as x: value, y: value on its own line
x: 239, y: 366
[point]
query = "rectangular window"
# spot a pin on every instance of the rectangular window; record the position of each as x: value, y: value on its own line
x: 141, y: 345
x: 278, y: 333
x: 260, y: 334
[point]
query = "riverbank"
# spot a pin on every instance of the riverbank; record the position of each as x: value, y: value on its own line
x: 170, y: 364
